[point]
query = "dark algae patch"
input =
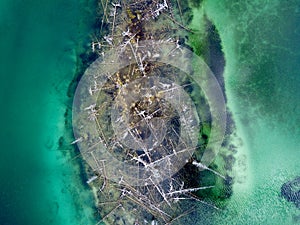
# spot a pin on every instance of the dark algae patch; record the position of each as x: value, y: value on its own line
x: 291, y: 191
x: 213, y: 54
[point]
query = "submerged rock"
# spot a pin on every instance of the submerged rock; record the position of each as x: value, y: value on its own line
x: 291, y: 191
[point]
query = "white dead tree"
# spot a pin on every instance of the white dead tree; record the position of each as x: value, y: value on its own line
x: 202, y: 166
x: 113, y: 14
x: 159, y: 8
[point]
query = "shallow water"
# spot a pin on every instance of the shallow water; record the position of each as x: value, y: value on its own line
x: 262, y: 54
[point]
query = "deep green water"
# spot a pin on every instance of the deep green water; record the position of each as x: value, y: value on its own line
x: 39, y: 41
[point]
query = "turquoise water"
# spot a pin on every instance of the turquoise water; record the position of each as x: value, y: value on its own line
x: 38, y: 43
x: 261, y: 45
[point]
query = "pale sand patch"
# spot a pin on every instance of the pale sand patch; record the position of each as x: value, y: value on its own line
x: 241, y: 168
